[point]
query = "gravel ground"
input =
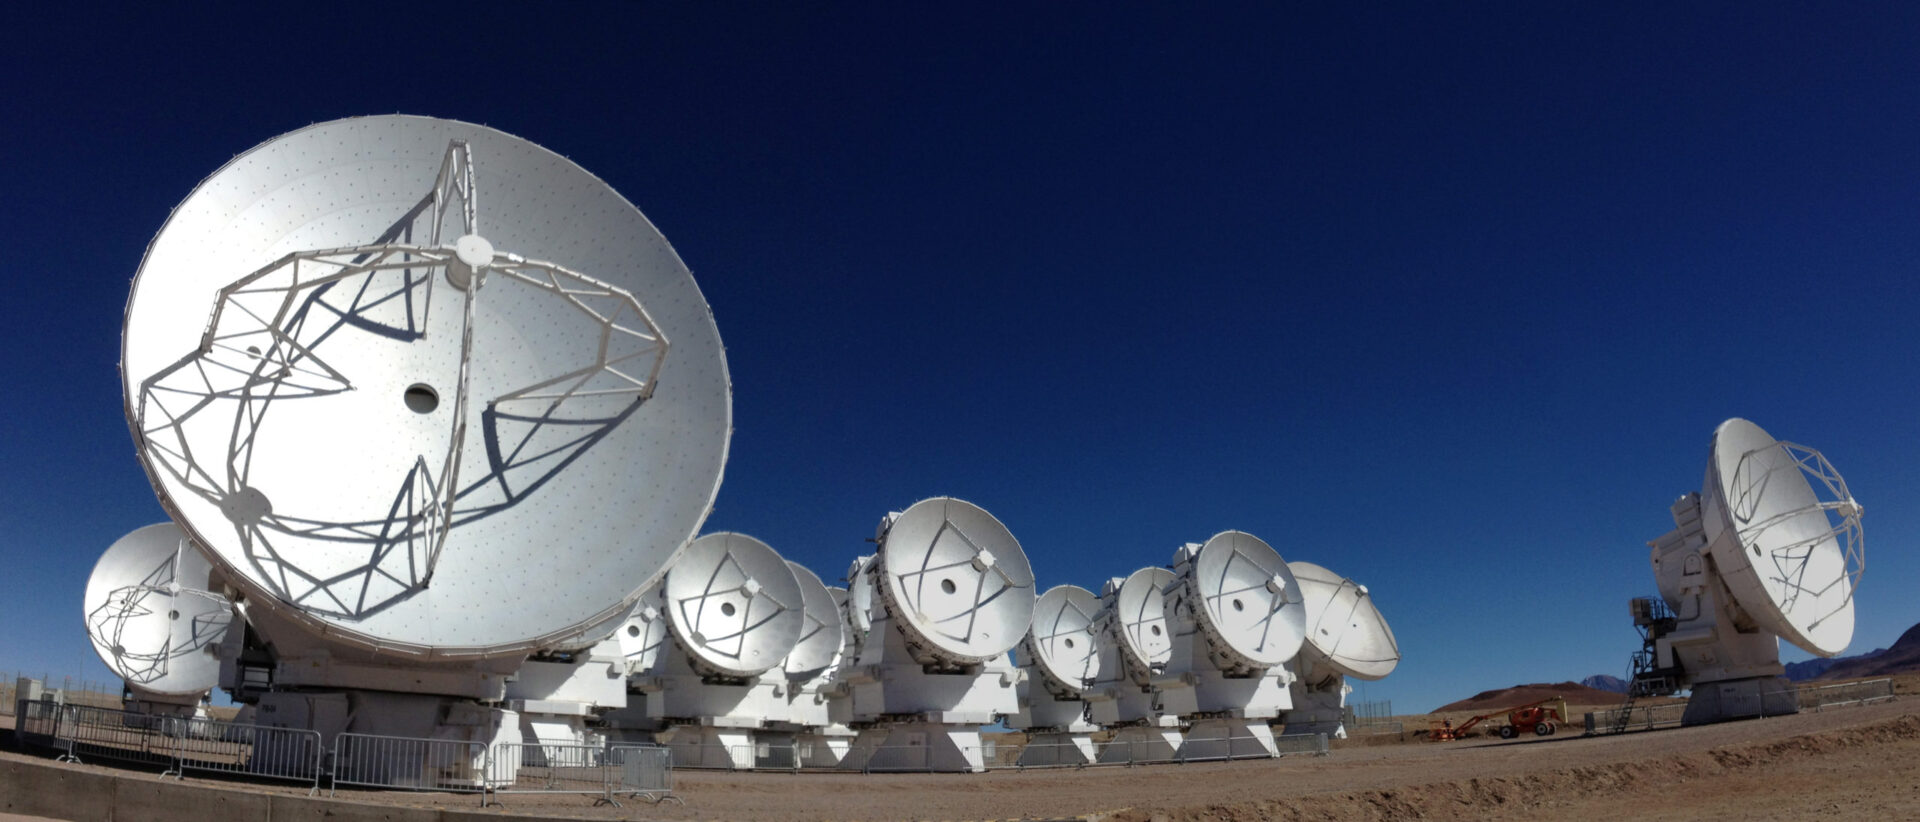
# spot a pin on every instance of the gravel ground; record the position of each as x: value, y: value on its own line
x: 1855, y: 762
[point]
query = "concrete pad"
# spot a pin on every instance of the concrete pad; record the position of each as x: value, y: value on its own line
x: 46, y: 788
x: 167, y: 800
x: 287, y: 808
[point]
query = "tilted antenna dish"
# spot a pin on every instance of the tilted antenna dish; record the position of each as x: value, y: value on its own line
x: 414, y: 481
x: 822, y: 632
x: 734, y: 605
x: 1247, y: 603
x: 859, y: 602
x: 643, y: 636
x: 847, y: 642
x: 1789, y: 549
x: 956, y: 581
x: 1344, y: 627
x: 150, y: 615
x: 1140, y: 618
x: 1062, y: 641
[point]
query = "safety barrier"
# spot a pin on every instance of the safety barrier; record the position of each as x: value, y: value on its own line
x: 240, y: 749
x: 408, y: 763
x: 1816, y: 697
x: 643, y: 771
x: 178, y: 743
x: 109, y: 733
x: 515, y: 767
x: 36, y: 723
x: 1808, y: 697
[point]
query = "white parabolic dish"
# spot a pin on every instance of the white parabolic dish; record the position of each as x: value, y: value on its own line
x: 643, y: 637
x: 956, y: 581
x: 426, y: 387
x: 150, y: 615
x: 1790, y: 555
x: 734, y: 605
x: 859, y: 602
x: 821, y: 634
x: 1344, y: 627
x: 1140, y: 615
x: 1248, y: 603
x: 1062, y: 641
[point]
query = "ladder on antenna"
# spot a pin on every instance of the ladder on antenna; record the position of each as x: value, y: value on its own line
x: 1642, y: 661
x: 1653, y: 619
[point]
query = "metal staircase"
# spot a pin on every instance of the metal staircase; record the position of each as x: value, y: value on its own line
x: 1654, y: 620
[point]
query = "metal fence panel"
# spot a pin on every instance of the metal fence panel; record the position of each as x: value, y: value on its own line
x: 250, y: 750
x: 643, y: 771
x: 36, y: 722
x: 536, y: 767
x: 111, y: 733
x: 410, y: 764
x: 1315, y: 744
x: 1816, y: 697
x: 1808, y: 697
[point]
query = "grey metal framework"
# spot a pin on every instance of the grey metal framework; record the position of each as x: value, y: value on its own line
x: 179, y: 743
x: 182, y: 744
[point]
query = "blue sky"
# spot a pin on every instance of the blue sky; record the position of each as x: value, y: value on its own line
x: 1445, y: 298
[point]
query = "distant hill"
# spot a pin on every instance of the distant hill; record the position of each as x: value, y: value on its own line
x: 1575, y: 693
x: 1812, y: 669
x: 1603, y: 682
x: 1903, y: 657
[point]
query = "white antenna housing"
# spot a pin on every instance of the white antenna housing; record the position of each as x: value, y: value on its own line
x: 1346, y: 636
x: 735, y: 611
x: 1136, y: 643
x: 1237, y: 615
x: 956, y: 593
x: 154, y: 620
x: 1771, y: 548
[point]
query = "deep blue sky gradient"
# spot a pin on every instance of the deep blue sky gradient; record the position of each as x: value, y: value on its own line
x: 1445, y: 297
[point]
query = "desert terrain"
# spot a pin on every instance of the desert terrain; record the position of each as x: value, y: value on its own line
x: 1853, y: 762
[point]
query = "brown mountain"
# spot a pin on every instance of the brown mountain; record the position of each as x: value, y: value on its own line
x: 1498, y: 698
x: 1903, y: 657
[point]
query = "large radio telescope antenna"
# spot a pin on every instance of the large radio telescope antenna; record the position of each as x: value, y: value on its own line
x: 1344, y: 627
x: 1785, y: 533
x: 643, y: 636
x: 1062, y: 642
x: 823, y: 632
x: 1140, y: 618
x: 425, y: 387
x: 956, y: 580
x: 150, y: 615
x: 1246, y: 601
x: 734, y: 605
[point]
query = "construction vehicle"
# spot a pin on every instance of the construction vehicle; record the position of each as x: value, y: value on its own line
x: 1540, y: 718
